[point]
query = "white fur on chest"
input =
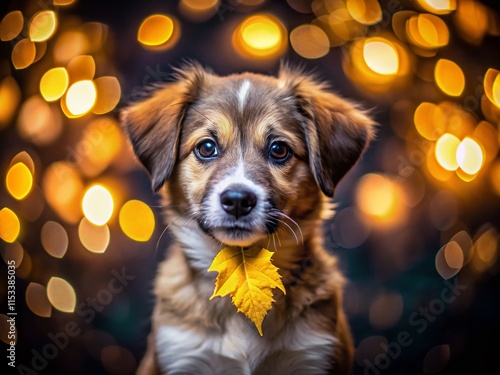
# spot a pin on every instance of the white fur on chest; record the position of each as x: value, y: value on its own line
x: 290, y: 345
x: 241, y: 351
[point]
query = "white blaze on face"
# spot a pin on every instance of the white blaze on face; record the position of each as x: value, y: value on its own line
x: 243, y: 93
x: 237, y: 177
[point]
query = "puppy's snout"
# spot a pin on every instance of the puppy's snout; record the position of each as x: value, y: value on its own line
x: 238, y: 201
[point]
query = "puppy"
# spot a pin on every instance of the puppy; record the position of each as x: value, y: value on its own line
x: 247, y: 160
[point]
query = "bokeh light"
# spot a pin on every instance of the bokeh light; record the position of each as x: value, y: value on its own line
x: 63, y: 190
x: 438, y: 6
x: 26, y: 159
x: 464, y: 241
x: 334, y: 18
x: 366, y: 12
x: 490, y: 111
x: 429, y: 120
x: 42, y: 26
x: 385, y: 310
x: 54, y: 83
x: 95, y: 238
x: 37, y: 301
x: 377, y: 64
x: 10, y: 97
x: 309, y: 41
x: 470, y: 156
x: 198, y: 10
x: 446, y: 151
x: 19, y: 181
x: 98, y: 36
x: 381, y: 56
x: 13, y: 252
x: 81, y: 68
x: 41, y: 49
x: 101, y: 144
x: 137, y: 220
x: 98, y: 205
x: 436, y: 359
x: 260, y: 36
x: 9, y: 225
x: 454, y: 255
x: 459, y: 121
x: 23, y: 54
x: 81, y: 97
x: 158, y: 31
x: 433, y: 30
x: 492, y: 86
x: 449, y: 260
x: 348, y: 229
x: 471, y: 20
x: 379, y: 199
x: 427, y: 31
x: 61, y: 294
x: 108, y: 94
x: 54, y: 239
x: 11, y: 25
x: 70, y: 44
x: 486, y: 135
x: 38, y: 121
x: 449, y: 77
x: 485, y: 248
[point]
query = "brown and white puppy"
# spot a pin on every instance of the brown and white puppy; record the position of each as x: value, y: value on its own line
x: 247, y: 160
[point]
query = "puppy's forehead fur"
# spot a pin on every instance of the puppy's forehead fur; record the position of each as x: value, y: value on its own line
x: 246, y: 111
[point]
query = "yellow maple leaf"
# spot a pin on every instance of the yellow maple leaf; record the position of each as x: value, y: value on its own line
x: 248, y: 276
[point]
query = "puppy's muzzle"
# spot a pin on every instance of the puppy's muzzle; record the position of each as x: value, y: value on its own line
x: 238, y: 200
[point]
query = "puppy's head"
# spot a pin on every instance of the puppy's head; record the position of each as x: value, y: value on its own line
x: 239, y: 154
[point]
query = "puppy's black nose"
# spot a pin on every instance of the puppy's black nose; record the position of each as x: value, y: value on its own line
x: 238, y: 201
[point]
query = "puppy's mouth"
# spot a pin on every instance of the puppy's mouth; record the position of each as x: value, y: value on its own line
x: 237, y: 234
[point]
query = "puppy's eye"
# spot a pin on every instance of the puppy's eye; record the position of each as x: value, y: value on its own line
x: 279, y: 152
x: 206, y: 149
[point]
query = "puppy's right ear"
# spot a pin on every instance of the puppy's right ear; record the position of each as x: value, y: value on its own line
x: 154, y: 124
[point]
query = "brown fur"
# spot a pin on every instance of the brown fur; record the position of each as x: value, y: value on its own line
x: 327, y: 135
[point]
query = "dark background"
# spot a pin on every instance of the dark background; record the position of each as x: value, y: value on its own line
x: 398, y: 262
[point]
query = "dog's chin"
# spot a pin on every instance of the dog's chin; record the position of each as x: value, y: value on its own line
x: 234, y: 236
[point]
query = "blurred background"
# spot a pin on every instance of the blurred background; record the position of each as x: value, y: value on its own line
x: 417, y: 222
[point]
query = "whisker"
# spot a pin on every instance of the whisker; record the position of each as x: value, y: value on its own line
x: 170, y: 224
x: 291, y: 230
x: 294, y: 222
x: 159, y: 239
x: 279, y: 240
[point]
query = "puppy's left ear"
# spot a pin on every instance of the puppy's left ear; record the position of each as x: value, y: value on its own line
x: 154, y: 125
x: 336, y: 130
